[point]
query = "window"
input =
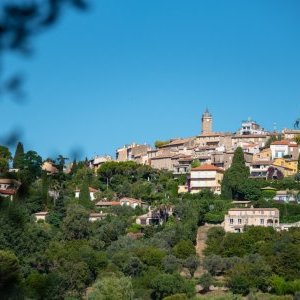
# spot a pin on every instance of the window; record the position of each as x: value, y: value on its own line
x: 262, y: 221
x: 239, y: 221
x: 231, y: 221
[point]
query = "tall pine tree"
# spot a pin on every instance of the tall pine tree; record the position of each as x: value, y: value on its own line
x: 19, y: 156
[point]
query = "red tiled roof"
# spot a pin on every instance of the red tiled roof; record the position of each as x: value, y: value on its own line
x: 285, y: 142
x: 163, y: 155
x: 177, y: 142
x: 207, y: 167
x: 8, y: 192
x: 108, y: 203
x: 131, y: 200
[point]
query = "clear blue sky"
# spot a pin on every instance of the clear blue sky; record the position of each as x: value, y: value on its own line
x: 144, y: 70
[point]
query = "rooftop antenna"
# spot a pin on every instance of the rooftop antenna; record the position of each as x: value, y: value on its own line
x: 275, y: 126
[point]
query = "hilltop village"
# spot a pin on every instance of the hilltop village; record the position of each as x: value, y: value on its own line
x: 204, y: 158
x: 198, y: 217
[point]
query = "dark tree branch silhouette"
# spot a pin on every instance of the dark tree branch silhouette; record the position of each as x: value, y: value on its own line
x: 20, y: 21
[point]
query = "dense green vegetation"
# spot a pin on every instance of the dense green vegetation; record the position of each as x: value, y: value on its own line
x: 260, y: 258
x: 69, y: 257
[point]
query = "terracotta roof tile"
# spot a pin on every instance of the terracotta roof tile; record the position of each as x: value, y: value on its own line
x: 207, y: 167
x: 8, y: 192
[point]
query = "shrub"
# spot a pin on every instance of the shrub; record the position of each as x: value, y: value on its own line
x: 184, y: 248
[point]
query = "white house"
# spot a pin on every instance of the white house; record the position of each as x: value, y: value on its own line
x: 92, y: 192
x: 280, y: 149
x: 285, y: 196
x: 251, y: 127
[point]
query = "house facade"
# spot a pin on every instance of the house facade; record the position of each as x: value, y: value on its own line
x: 237, y: 218
x: 93, y: 217
x: 132, y: 152
x: 206, y: 177
x: 284, y: 149
x: 8, y: 187
x: 41, y: 216
x: 286, y: 196
x: 92, y: 192
x: 251, y: 127
x: 259, y: 169
x: 132, y: 202
x: 290, y: 166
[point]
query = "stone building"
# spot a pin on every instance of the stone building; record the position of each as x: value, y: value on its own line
x: 251, y: 127
x: 206, y: 123
x: 132, y: 152
x: 237, y: 218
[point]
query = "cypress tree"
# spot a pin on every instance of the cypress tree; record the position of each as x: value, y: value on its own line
x: 19, y: 156
x: 84, y: 196
x: 74, y: 167
x: 235, y: 176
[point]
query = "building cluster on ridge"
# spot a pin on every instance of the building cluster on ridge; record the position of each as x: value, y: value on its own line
x: 214, y: 152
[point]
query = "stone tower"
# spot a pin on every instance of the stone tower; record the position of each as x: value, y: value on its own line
x: 206, y: 122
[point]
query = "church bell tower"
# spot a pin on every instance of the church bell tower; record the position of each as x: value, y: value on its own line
x: 206, y: 122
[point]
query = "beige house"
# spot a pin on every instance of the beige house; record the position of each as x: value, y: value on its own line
x: 41, y: 216
x: 49, y: 167
x: 97, y: 216
x: 97, y: 161
x: 132, y: 152
x: 181, y: 164
x: 178, y: 145
x: 259, y: 139
x: 210, y: 139
x: 290, y: 134
x: 264, y: 154
x: 162, y: 161
x: 237, y: 218
x: 183, y: 189
x: 132, y: 202
x: 206, y: 177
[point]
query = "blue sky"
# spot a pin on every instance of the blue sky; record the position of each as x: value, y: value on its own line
x: 137, y: 71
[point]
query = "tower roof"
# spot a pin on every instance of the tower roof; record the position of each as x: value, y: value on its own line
x: 207, y: 113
